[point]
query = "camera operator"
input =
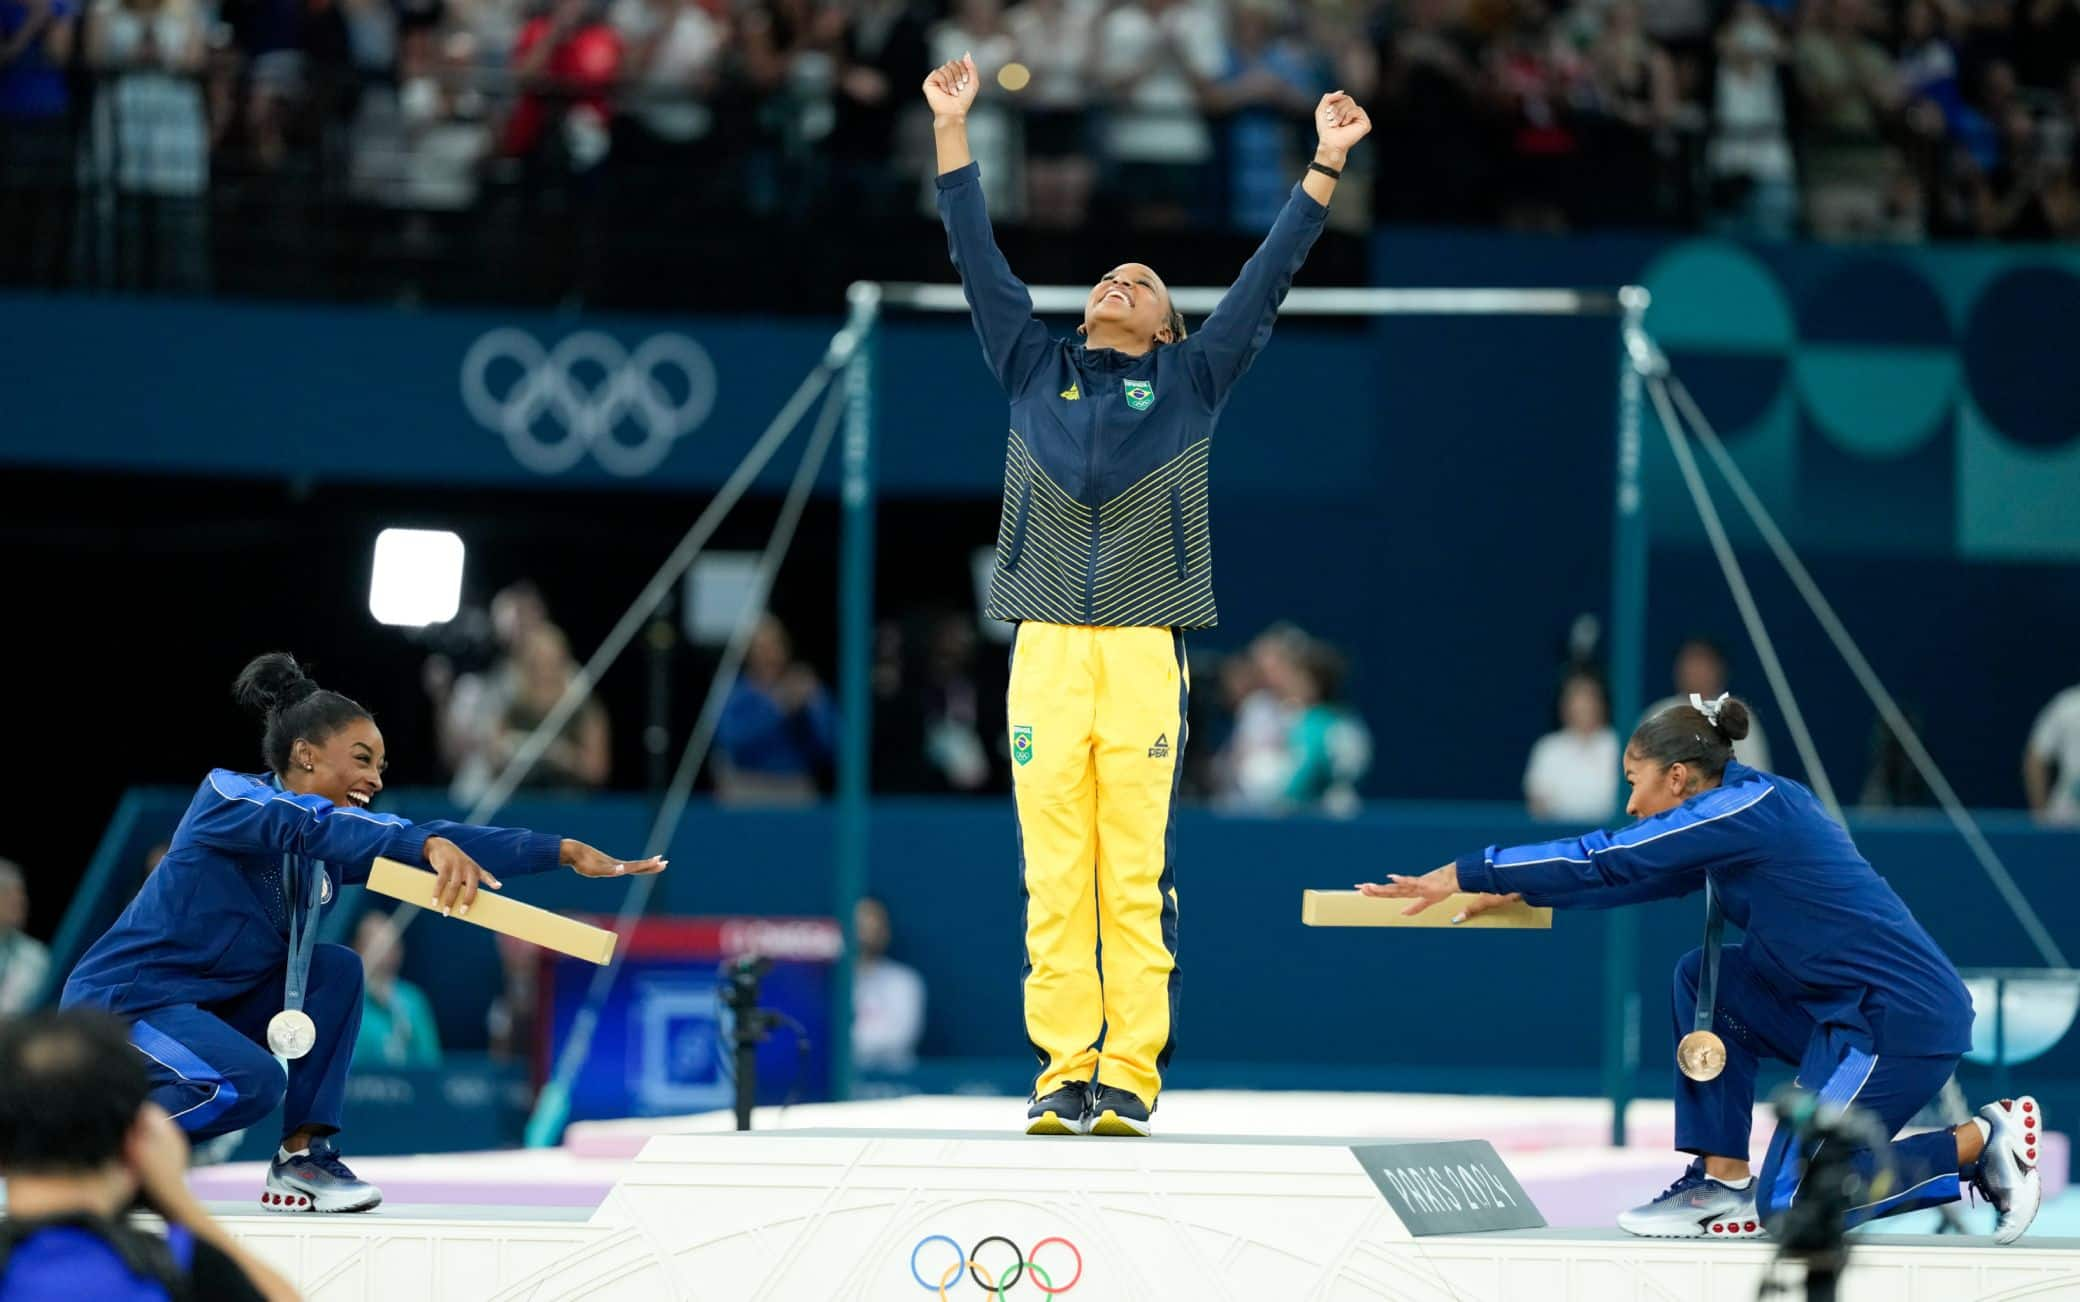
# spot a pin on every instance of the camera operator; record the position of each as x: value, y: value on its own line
x: 80, y: 1145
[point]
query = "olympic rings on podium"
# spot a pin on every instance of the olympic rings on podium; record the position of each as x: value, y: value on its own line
x: 1007, y: 1279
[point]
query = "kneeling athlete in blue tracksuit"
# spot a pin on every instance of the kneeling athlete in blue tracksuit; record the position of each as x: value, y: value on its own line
x: 1835, y: 975
x: 199, y: 961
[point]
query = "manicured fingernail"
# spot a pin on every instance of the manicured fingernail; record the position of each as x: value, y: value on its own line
x: 1459, y: 919
x: 462, y: 912
x: 444, y: 911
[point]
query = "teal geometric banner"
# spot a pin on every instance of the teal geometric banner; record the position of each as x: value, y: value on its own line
x: 1883, y: 401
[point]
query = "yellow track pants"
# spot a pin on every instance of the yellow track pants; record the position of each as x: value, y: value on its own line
x: 1097, y: 738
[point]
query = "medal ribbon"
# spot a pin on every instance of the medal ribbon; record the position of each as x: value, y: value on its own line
x: 1714, y: 941
x: 303, y: 925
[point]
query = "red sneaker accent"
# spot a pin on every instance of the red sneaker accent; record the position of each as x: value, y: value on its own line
x: 2033, y: 1155
x: 1750, y: 1227
x: 2027, y: 1105
x: 1717, y: 1228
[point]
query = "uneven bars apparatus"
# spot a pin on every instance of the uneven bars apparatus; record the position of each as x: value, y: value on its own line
x: 1628, y: 304
x: 852, y: 352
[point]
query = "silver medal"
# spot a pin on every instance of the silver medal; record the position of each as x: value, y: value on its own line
x: 291, y: 1033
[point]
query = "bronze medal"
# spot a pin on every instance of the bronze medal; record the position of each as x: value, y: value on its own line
x: 1701, y: 1056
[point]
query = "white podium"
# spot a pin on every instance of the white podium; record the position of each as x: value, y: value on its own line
x: 905, y: 1216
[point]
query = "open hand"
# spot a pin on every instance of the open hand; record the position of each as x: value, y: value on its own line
x: 951, y: 88
x: 455, y: 887
x: 1338, y: 121
x: 588, y: 862
x: 1431, y: 888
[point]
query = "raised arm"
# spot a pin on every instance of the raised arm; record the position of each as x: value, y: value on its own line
x: 1240, y: 325
x: 1012, y: 340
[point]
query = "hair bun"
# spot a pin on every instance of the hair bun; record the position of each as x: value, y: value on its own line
x: 271, y: 683
x: 1734, y: 720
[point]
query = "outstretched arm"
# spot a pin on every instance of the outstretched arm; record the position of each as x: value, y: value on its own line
x: 238, y: 815
x: 1222, y: 349
x: 1657, y: 858
x: 1012, y: 340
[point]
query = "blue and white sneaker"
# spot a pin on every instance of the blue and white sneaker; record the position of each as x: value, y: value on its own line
x: 1115, y: 1111
x: 1697, y: 1207
x: 1063, y: 1111
x: 315, y: 1180
x: 2007, y: 1175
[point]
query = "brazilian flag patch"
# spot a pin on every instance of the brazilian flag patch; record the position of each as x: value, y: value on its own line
x: 1022, y: 744
x: 1140, y: 393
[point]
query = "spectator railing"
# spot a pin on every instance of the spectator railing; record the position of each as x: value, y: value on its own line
x: 364, y: 184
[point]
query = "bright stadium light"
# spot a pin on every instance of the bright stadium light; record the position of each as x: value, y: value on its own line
x: 418, y: 577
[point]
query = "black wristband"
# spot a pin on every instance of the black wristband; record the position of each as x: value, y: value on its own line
x: 1325, y: 170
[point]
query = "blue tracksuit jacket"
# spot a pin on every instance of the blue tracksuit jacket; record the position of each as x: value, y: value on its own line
x: 1106, y: 518
x: 1823, y: 929
x: 212, y: 921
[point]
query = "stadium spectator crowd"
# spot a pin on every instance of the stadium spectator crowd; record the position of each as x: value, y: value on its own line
x: 1844, y: 118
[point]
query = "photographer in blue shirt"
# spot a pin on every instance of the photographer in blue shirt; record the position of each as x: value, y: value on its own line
x: 80, y: 1143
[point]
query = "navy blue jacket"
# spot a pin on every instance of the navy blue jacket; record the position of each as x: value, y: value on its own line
x: 1823, y: 929
x: 1106, y: 516
x: 212, y: 920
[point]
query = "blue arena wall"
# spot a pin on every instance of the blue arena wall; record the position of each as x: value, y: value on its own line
x: 1432, y: 494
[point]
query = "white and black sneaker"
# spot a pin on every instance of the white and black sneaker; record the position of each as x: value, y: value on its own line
x: 2007, y: 1175
x: 1063, y: 1111
x: 1119, y: 1112
x: 315, y: 1180
x: 1697, y: 1207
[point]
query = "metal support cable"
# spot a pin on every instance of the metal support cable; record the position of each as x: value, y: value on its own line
x: 537, y: 742
x: 1737, y: 581
x: 1888, y: 709
x: 661, y: 583
x: 552, y: 1107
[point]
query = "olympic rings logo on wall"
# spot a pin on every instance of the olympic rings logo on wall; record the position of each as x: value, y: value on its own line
x: 550, y: 416
x: 994, y: 1280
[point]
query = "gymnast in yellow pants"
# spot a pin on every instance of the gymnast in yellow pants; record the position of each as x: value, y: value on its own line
x: 1104, y: 559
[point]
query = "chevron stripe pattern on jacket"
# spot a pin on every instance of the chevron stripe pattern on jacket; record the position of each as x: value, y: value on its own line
x: 1149, y: 565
